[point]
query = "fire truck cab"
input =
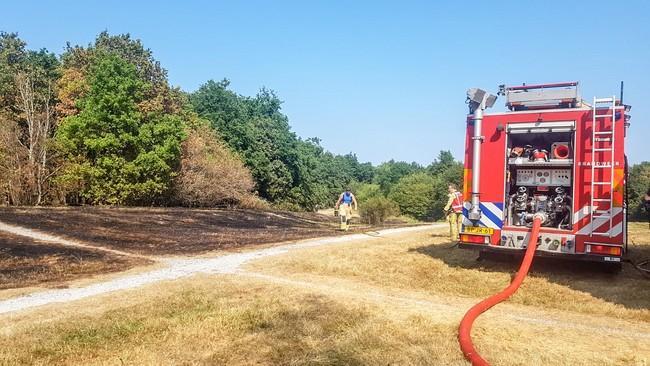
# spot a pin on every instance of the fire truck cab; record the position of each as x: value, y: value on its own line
x: 550, y: 154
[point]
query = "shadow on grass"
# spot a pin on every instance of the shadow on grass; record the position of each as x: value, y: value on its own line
x: 628, y: 287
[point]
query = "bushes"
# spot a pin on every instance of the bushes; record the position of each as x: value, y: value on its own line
x: 414, y: 194
x: 421, y: 194
x: 638, y: 185
x: 366, y: 191
x: 377, y: 209
x: 210, y: 174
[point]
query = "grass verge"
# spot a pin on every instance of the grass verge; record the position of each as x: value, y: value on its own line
x: 427, y: 263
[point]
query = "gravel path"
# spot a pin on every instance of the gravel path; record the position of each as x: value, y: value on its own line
x: 176, y: 268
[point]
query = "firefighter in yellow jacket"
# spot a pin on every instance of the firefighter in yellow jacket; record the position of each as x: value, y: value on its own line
x: 344, y: 208
x: 454, y: 211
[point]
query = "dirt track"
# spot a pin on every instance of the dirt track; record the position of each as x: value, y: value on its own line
x: 175, y: 269
x: 46, y: 246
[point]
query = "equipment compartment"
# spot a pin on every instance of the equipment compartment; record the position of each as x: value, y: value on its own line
x: 539, y: 169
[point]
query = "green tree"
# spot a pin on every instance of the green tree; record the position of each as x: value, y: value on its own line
x: 117, y: 154
x: 444, y: 161
x: 415, y: 195
x: 637, y: 186
x: 255, y: 128
x: 288, y: 171
x: 77, y: 60
x: 388, y: 173
x: 12, y: 58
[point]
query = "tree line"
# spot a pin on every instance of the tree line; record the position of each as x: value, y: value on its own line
x: 100, y: 124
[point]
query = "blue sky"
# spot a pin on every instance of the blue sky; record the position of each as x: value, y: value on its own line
x: 381, y: 79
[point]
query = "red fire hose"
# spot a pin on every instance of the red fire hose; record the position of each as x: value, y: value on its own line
x: 465, y: 329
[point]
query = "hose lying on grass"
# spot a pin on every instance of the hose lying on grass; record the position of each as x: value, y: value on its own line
x: 465, y: 329
x: 643, y: 266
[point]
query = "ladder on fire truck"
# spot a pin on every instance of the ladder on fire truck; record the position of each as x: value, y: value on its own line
x: 600, y: 135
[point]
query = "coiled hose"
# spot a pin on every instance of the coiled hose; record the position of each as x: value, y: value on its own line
x: 465, y: 328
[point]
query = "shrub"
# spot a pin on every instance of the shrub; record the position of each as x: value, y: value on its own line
x: 210, y: 174
x: 254, y: 202
x: 366, y: 191
x: 377, y: 209
x: 415, y: 195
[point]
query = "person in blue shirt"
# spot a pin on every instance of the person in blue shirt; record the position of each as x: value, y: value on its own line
x: 344, y: 206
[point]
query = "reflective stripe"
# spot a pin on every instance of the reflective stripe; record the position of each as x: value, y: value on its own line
x: 491, y: 215
x: 457, y: 203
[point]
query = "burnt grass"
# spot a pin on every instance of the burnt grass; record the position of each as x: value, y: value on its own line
x: 27, y: 262
x: 167, y: 231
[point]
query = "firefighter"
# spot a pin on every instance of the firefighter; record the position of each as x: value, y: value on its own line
x: 454, y: 211
x: 344, y: 207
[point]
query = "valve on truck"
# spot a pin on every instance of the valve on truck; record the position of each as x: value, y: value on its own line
x: 554, y: 208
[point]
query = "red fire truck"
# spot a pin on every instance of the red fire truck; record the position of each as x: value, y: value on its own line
x: 551, y: 154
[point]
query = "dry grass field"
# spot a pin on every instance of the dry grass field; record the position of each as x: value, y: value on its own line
x: 393, y: 300
x: 427, y: 263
